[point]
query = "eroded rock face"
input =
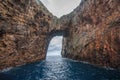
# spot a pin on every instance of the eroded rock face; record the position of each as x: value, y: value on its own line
x: 24, y: 26
x: 91, y: 32
x: 94, y: 33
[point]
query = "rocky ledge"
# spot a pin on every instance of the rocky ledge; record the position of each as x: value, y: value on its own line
x: 91, y: 32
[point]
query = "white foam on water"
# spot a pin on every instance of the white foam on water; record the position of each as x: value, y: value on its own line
x: 108, y: 68
x: 7, y: 69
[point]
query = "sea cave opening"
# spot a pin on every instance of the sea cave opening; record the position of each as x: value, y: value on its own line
x: 55, y: 42
x: 55, y: 46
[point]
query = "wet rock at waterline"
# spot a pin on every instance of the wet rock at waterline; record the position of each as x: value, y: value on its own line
x: 91, y: 32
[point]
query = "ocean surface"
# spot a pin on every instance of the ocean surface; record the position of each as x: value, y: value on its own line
x: 57, y: 68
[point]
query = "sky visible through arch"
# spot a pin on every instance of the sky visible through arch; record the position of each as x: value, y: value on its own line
x: 58, y: 8
x: 55, y: 46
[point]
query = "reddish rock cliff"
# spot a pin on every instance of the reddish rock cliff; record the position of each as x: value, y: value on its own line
x: 94, y: 33
x: 24, y: 26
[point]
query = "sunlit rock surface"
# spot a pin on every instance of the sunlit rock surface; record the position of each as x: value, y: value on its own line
x: 91, y: 32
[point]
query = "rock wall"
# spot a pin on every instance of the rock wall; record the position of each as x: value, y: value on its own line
x: 91, y: 32
x: 94, y: 33
x: 24, y: 28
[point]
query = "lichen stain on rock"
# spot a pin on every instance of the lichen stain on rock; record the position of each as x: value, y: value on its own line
x: 91, y: 32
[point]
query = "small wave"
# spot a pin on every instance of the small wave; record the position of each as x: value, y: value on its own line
x: 7, y: 69
x: 108, y: 68
x: 71, y: 60
x: 76, y: 61
x: 39, y: 64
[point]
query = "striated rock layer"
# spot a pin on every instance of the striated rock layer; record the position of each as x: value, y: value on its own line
x: 91, y: 32
x: 94, y: 33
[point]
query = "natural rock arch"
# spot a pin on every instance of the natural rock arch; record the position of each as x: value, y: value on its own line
x: 91, y: 32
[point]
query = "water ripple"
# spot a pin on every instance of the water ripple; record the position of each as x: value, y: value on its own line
x: 57, y: 68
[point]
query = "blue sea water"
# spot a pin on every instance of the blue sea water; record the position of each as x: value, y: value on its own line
x: 57, y: 68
